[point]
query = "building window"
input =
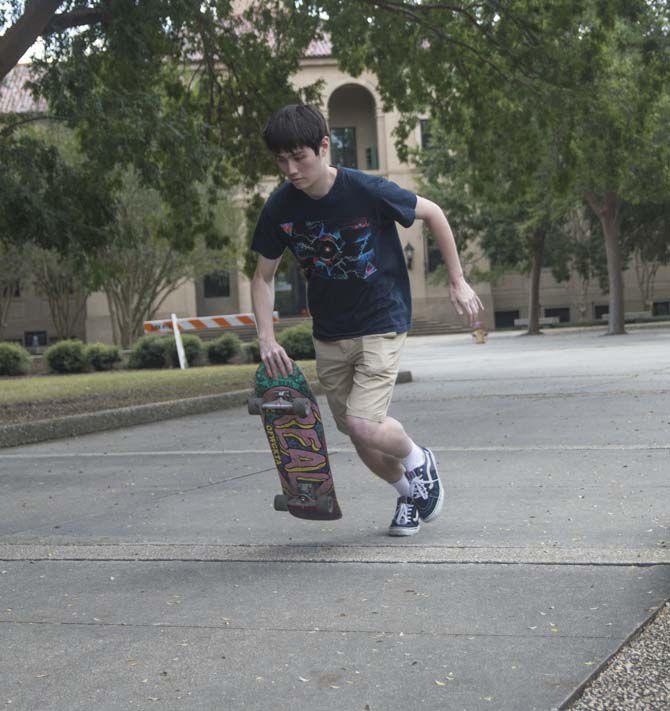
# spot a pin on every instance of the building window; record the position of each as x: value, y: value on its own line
x: 34, y: 339
x: 425, y: 132
x: 343, y: 147
x: 217, y: 285
x: 371, y: 158
x: 433, y: 258
x: 661, y: 308
x: 505, y: 319
x: 562, y: 314
x: 600, y: 310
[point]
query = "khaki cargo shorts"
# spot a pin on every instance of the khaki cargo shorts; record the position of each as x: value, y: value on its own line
x: 358, y: 375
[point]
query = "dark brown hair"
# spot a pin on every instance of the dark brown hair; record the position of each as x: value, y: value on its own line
x: 294, y: 126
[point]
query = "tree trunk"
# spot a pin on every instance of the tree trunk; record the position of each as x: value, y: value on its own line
x: 537, y: 242
x: 608, y: 211
x: 21, y: 36
x: 6, y: 299
x: 112, y: 318
x: 646, y: 276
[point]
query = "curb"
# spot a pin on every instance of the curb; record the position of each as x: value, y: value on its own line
x: 87, y: 423
x: 646, y: 625
x: 90, y: 422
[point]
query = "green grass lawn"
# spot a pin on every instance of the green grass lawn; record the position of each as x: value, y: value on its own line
x: 42, y: 397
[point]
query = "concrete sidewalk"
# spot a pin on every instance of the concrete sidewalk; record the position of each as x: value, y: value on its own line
x: 145, y: 568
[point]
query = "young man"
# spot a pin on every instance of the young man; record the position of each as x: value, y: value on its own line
x: 340, y: 225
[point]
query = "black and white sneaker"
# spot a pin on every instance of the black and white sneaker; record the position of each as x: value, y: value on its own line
x: 426, y: 489
x: 406, y: 519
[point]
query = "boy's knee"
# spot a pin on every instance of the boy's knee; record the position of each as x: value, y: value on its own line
x: 361, y: 432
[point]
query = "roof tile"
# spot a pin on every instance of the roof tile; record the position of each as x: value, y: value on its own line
x: 15, y: 96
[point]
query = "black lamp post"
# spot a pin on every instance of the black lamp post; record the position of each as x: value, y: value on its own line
x: 409, y: 254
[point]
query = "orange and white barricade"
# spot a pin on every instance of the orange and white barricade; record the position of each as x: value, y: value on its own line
x: 203, y: 323
x: 198, y: 323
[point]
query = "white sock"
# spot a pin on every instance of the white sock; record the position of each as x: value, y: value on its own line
x: 414, y: 459
x: 402, y: 486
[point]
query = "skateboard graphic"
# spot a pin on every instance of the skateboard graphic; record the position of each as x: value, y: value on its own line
x: 292, y: 423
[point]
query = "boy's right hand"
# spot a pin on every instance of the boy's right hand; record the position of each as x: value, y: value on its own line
x: 275, y: 358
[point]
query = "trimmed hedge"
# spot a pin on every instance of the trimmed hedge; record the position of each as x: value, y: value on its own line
x: 149, y: 352
x: 297, y: 342
x: 101, y: 356
x: 252, y: 352
x: 193, y: 349
x: 224, y: 348
x: 66, y: 357
x: 14, y: 359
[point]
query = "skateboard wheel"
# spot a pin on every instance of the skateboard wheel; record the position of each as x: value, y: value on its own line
x: 301, y: 406
x: 254, y: 405
x: 325, y: 504
x: 281, y: 502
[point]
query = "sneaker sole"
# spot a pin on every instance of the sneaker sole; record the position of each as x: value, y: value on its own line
x: 403, y: 531
x: 440, y: 499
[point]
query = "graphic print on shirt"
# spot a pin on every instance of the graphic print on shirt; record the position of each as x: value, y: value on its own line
x: 333, y: 250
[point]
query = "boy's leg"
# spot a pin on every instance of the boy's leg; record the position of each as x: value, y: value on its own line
x: 336, y: 363
x: 388, y: 437
x: 358, y: 376
x: 385, y: 466
x: 381, y: 441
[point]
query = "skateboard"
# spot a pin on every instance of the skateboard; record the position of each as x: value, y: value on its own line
x: 292, y: 423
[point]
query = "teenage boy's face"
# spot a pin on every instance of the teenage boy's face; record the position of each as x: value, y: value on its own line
x: 302, y: 166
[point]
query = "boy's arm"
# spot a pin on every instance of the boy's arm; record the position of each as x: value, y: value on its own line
x: 263, y: 298
x: 462, y: 295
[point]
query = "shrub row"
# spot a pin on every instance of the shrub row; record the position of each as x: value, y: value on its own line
x: 63, y: 357
x: 14, y: 359
x: 152, y: 351
x: 155, y: 351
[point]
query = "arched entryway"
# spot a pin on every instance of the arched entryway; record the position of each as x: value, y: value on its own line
x: 353, y: 128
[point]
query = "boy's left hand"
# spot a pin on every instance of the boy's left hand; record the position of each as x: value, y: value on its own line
x: 465, y: 300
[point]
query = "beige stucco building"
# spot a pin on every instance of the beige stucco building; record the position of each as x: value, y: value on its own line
x: 362, y: 137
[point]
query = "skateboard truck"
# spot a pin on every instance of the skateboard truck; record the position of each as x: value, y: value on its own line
x: 323, y: 503
x: 282, y: 400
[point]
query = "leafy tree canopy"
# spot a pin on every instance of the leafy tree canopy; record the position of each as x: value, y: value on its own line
x: 177, y: 91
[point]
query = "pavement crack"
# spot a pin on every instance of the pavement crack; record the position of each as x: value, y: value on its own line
x: 306, y: 630
x: 140, y: 504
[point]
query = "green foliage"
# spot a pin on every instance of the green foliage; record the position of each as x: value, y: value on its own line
x: 193, y: 349
x: 485, y: 213
x: 297, y: 342
x: 224, y: 348
x: 101, y: 356
x: 130, y: 87
x: 47, y: 201
x: 14, y: 359
x: 645, y: 229
x: 154, y: 351
x: 138, y: 267
x: 149, y: 352
x: 251, y: 215
x: 253, y: 351
x: 66, y: 357
x: 575, y: 248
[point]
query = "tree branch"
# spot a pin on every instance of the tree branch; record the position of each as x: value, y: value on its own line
x: 38, y: 117
x: 76, y: 18
x: 21, y: 36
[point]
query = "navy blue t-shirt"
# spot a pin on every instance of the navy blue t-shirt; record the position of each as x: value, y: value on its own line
x: 348, y: 247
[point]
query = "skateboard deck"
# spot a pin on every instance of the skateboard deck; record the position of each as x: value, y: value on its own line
x: 294, y: 429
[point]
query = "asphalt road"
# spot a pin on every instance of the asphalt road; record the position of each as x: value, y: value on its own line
x: 144, y: 568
